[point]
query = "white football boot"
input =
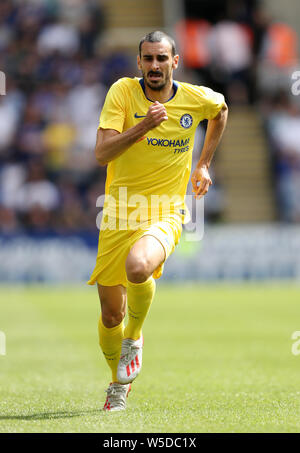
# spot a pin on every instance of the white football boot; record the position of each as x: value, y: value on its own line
x: 116, y: 397
x: 130, y: 362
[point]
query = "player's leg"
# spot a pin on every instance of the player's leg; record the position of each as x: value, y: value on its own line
x: 111, y: 324
x: 110, y: 329
x: 144, y: 257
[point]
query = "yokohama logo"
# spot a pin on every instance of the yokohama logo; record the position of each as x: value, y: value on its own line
x: 167, y: 143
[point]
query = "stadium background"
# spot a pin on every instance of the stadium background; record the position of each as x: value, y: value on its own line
x: 59, y: 58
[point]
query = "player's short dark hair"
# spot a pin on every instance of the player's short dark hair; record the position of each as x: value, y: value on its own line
x: 158, y: 36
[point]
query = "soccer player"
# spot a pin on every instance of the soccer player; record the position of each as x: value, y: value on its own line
x: 145, y: 137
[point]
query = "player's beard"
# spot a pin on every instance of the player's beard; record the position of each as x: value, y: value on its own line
x: 159, y: 85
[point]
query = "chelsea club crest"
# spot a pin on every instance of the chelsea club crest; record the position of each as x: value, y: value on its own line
x: 186, y: 120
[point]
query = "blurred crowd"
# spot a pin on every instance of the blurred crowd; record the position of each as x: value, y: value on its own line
x: 280, y: 112
x: 254, y: 59
x: 56, y: 79
x: 281, y: 115
x: 57, y: 76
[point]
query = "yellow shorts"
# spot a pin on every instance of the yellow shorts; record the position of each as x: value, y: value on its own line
x: 114, y: 246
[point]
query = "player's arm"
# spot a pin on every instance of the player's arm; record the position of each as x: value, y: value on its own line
x: 215, y: 128
x: 111, y: 143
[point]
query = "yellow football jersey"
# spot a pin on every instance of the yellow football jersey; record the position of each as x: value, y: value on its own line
x: 157, y: 167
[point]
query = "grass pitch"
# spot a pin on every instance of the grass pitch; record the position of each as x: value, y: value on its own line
x: 216, y: 359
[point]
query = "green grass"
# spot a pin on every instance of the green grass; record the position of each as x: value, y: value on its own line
x: 216, y: 359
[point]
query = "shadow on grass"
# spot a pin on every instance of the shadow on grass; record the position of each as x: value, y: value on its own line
x: 51, y: 415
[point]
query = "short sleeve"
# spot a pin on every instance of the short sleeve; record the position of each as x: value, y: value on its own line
x: 211, y: 101
x: 113, y: 112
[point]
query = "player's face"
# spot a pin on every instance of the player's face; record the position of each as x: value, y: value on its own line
x: 157, y: 63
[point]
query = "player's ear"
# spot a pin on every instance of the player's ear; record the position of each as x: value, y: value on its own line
x: 139, y: 62
x: 175, y: 61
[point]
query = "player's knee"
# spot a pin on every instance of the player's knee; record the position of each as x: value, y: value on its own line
x: 112, y: 319
x: 137, y: 269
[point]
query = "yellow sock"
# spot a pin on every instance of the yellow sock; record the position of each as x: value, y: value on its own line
x: 110, y: 341
x: 139, y: 299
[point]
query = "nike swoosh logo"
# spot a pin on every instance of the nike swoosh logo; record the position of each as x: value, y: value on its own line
x: 139, y: 116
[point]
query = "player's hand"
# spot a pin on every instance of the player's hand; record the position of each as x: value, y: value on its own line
x: 156, y: 115
x: 200, y: 181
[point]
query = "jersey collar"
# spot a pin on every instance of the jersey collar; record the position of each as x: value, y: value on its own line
x: 175, y: 88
